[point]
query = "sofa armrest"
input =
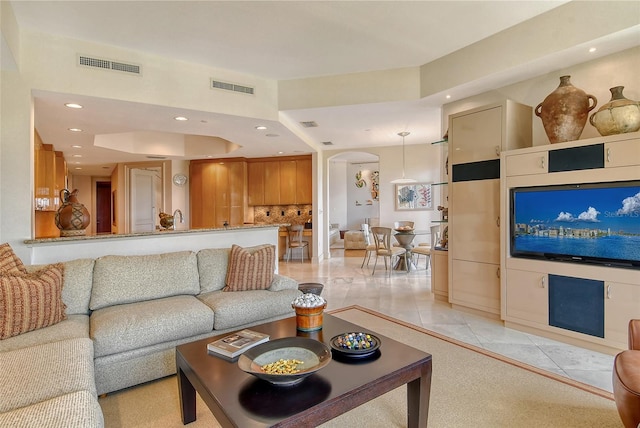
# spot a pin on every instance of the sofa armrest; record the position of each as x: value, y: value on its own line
x: 634, y: 334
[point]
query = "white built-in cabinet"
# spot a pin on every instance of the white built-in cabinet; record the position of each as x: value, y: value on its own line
x: 524, y: 291
x: 476, y: 139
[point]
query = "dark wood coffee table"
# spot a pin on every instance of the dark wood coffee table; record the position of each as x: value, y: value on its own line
x: 238, y: 399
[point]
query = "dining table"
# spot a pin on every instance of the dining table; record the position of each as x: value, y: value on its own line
x: 405, y: 240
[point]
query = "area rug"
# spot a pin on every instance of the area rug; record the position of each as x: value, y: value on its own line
x: 470, y: 388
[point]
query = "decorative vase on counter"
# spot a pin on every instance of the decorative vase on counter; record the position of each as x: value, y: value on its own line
x: 72, y: 218
x: 620, y: 115
x: 564, y: 112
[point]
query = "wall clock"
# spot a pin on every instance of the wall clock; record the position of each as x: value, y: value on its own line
x: 179, y: 180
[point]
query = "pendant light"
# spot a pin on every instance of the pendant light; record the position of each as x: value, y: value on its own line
x: 403, y: 180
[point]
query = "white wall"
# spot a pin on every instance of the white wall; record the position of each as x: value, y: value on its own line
x: 359, y: 198
x: 338, y: 193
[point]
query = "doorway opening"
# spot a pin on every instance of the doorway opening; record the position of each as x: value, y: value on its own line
x: 103, y: 207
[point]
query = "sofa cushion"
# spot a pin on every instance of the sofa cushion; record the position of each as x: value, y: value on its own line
x: 76, y: 289
x: 126, y: 279
x: 280, y: 283
x: 122, y: 328
x: 75, y: 326
x: 212, y: 267
x: 29, y: 301
x: 56, y: 368
x: 250, y: 270
x: 78, y: 409
x: 9, y: 261
x: 245, y: 307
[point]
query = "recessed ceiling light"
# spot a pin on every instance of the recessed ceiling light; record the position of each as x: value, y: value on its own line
x: 272, y: 135
x: 78, y: 167
x: 261, y: 127
x: 76, y: 147
x: 448, y: 97
x: 76, y: 156
x: 75, y: 129
x: 280, y: 153
x: 592, y: 50
x: 73, y: 105
x: 181, y: 118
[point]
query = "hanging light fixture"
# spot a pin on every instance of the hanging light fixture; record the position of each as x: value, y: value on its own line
x: 403, y: 180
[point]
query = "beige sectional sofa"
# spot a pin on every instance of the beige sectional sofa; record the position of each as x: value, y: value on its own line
x: 125, y: 315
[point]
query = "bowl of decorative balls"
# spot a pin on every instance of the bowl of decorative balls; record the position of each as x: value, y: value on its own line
x: 285, y: 361
x: 355, y: 344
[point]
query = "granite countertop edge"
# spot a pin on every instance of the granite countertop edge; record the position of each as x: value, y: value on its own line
x: 156, y: 233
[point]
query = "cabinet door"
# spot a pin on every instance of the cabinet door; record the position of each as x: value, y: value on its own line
x: 622, y: 153
x: 439, y: 273
x: 236, y: 172
x: 475, y: 285
x: 221, y: 192
x: 288, y: 182
x: 621, y: 303
x: 201, y: 191
x: 528, y: 164
x: 527, y: 296
x: 474, y: 209
x: 304, y: 190
x: 255, y: 183
x: 272, y: 183
x: 476, y: 136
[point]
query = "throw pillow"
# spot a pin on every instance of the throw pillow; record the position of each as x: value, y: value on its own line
x: 9, y: 261
x: 31, y: 301
x: 250, y: 270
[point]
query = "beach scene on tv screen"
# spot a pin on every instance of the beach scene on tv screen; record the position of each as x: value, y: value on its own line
x: 602, y: 222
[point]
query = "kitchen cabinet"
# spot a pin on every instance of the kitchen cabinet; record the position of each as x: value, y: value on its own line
x: 279, y: 181
x: 217, y: 192
x: 476, y: 139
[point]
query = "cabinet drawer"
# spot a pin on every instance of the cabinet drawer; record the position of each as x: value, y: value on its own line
x: 475, y: 285
x: 527, y: 164
x: 527, y: 296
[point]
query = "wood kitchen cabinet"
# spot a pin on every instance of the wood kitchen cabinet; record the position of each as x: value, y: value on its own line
x: 217, y: 192
x: 279, y: 181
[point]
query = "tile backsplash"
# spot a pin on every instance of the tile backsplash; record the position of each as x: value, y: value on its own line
x: 294, y: 214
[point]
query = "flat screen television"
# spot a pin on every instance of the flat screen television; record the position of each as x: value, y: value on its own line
x: 597, y: 223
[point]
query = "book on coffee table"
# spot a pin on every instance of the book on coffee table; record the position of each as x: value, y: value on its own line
x: 236, y: 343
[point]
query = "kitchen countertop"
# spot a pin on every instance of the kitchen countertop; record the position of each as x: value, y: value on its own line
x: 156, y: 233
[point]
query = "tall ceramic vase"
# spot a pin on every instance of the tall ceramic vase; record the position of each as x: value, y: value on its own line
x: 620, y: 115
x: 564, y: 112
x: 72, y: 218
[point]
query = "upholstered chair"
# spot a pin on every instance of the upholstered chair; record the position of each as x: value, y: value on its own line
x: 626, y: 379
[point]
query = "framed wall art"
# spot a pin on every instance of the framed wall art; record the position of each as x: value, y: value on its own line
x: 414, y: 197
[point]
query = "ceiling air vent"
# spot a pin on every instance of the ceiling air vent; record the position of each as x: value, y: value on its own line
x: 226, y: 86
x: 309, y: 124
x: 106, y: 64
x: 327, y: 143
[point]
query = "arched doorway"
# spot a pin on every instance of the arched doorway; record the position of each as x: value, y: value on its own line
x: 352, y: 195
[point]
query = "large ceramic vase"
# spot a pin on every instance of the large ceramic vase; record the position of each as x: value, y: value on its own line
x: 618, y: 116
x: 564, y: 112
x: 72, y: 218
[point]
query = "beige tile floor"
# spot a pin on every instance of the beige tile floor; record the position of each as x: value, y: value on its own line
x: 408, y: 297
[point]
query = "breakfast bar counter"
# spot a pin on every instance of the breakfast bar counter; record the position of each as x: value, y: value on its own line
x: 51, y: 250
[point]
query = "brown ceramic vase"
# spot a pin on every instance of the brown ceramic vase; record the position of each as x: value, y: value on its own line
x: 564, y: 112
x: 72, y: 218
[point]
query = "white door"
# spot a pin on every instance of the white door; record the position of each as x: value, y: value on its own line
x: 143, y: 201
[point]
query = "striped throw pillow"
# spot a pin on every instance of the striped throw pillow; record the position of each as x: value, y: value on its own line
x: 9, y: 261
x: 250, y: 270
x: 31, y: 301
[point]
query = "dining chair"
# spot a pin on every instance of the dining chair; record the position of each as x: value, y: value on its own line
x: 371, y: 246
x: 424, y: 249
x: 295, y: 242
x: 384, y: 249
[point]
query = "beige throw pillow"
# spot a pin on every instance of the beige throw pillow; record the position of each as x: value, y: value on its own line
x: 29, y: 301
x: 250, y: 270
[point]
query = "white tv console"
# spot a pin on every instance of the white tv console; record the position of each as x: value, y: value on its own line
x: 524, y: 282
